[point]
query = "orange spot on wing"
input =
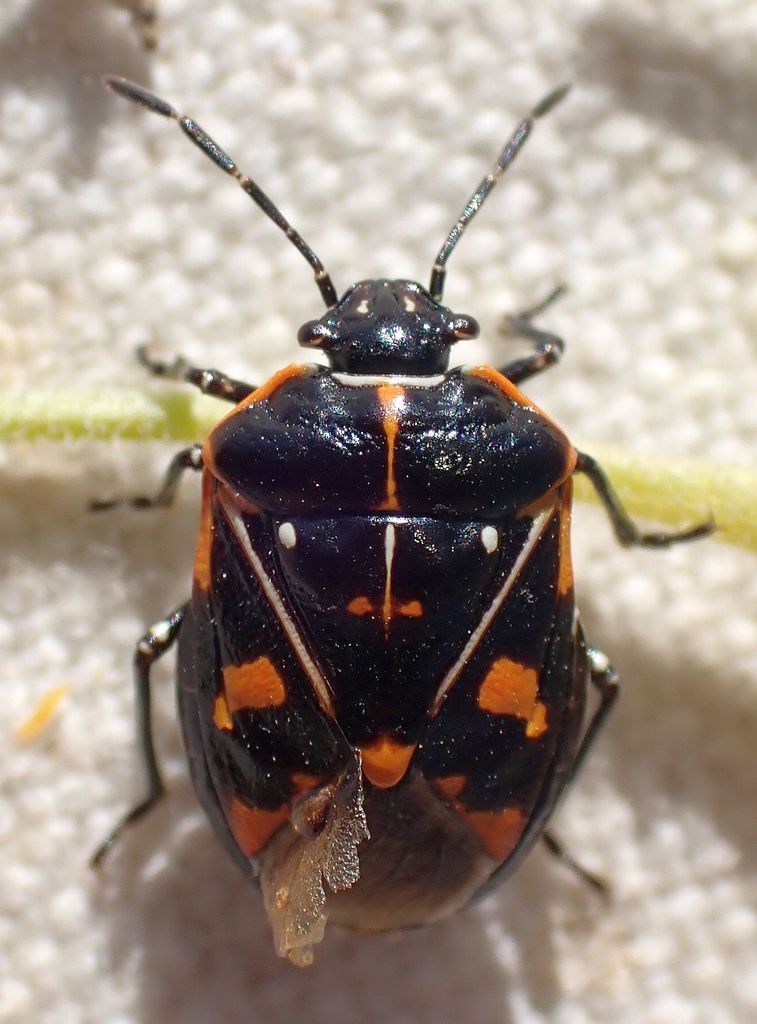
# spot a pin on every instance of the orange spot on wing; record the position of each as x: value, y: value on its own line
x: 202, y: 566
x: 498, y: 831
x: 537, y: 723
x: 360, y: 606
x: 392, y: 399
x: 221, y: 714
x: 411, y: 609
x: 385, y: 761
x: 512, y: 689
x: 255, y: 684
x: 252, y: 827
x: 450, y: 786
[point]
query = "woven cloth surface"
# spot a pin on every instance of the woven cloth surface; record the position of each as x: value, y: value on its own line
x: 370, y: 122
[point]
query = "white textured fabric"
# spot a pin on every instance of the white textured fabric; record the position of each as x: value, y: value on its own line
x: 370, y: 123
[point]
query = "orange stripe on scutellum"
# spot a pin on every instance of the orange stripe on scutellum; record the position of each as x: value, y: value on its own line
x: 385, y: 761
x: 252, y: 827
x: 392, y: 400
x: 498, y: 831
x: 364, y: 606
x: 565, y: 565
x: 221, y: 714
x: 516, y: 395
x: 511, y: 688
x: 253, y: 685
x: 202, y: 566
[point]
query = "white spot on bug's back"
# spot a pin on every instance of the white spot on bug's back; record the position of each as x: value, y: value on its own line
x: 410, y: 306
x: 287, y: 535
x: 363, y: 306
x: 490, y: 539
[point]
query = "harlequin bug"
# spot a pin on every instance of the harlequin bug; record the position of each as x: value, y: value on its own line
x: 382, y: 679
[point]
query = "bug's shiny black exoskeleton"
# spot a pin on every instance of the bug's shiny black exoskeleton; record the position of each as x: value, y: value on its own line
x: 382, y: 679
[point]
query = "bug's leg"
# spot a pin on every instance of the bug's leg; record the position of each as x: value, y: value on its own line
x: 549, y: 347
x: 152, y: 646
x: 605, y: 680
x: 187, y: 458
x: 627, y: 532
x: 210, y: 382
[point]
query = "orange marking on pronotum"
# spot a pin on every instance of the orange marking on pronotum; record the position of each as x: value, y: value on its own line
x: 255, y: 684
x: 565, y: 571
x: 252, y: 827
x: 392, y: 400
x: 498, y: 831
x: 361, y: 606
x: 258, y: 395
x: 512, y: 689
x: 516, y: 395
x: 202, y: 566
x: 221, y: 714
x: 385, y: 761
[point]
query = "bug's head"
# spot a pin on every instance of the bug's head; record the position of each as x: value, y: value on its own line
x: 387, y: 327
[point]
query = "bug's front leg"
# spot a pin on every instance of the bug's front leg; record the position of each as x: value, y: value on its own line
x: 152, y: 646
x: 626, y: 530
x: 549, y: 347
x: 187, y: 458
x: 210, y: 382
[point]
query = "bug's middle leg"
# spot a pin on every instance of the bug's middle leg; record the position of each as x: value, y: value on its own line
x: 187, y: 458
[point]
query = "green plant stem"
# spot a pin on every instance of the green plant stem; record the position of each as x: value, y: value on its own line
x: 672, y: 491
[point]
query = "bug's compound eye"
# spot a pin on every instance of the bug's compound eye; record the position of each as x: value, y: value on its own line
x: 312, y: 334
x: 464, y: 327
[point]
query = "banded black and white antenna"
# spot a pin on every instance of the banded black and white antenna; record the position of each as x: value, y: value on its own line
x: 137, y: 94
x: 474, y: 204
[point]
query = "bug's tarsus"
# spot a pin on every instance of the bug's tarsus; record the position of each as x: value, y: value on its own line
x: 626, y: 530
x: 137, y: 94
x: 152, y: 646
x: 549, y: 347
x: 508, y: 154
x: 558, y: 850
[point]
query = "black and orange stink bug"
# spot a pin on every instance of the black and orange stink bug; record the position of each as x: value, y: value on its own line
x: 382, y: 679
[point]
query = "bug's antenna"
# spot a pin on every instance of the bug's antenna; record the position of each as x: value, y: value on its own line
x: 135, y: 93
x: 475, y: 202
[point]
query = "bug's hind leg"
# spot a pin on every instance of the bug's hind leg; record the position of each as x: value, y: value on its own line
x: 210, y: 382
x: 152, y: 646
x: 626, y: 530
x: 604, y: 678
x: 549, y: 347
